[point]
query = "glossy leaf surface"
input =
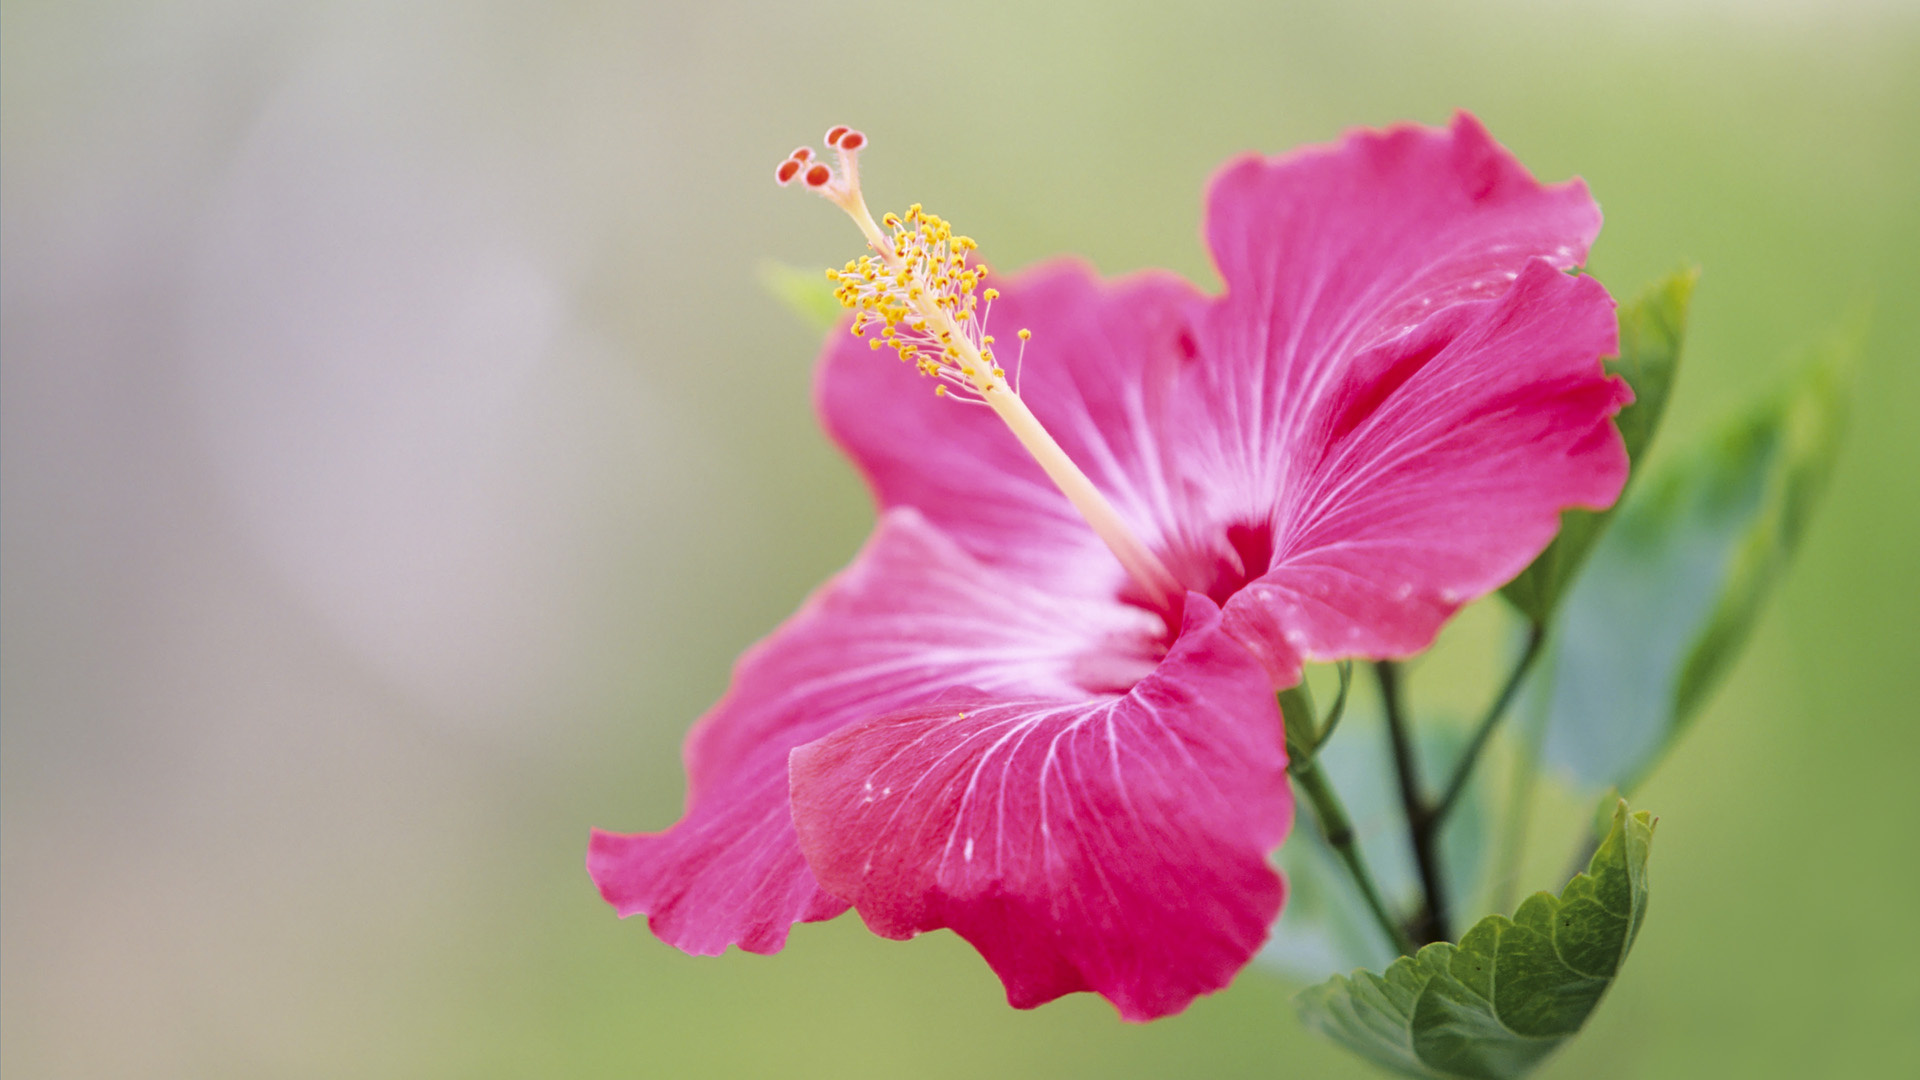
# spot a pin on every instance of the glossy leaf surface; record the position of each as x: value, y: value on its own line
x: 1495, y: 1005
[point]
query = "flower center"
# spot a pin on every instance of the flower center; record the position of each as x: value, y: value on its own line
x: 921, y: 288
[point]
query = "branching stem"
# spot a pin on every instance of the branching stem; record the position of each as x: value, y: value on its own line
x: 1431, y: 924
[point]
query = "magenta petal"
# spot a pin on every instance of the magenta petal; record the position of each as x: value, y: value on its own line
x: 1117, y: 845
x: 1398, y: 386
x: 1098, y: 371
x: 912, y: 619
x: 1443, y: 489
x: 728, y: 874
x: 1329, y: 250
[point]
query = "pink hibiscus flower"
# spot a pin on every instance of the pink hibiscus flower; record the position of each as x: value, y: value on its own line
x: 1038, y: 707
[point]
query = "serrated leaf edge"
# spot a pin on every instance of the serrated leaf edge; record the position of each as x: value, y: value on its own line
x: 1437, y: 958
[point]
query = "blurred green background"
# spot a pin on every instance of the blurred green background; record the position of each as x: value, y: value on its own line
x: 397, y: 450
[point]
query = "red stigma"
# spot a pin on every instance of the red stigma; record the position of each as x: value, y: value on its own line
x: 833, y: 136
x: 818, y: 176
x: 802, y: 154
x: 852, y: 141
x: 784, y: 174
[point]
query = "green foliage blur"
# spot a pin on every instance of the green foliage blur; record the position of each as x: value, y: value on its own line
x: 294, y: 781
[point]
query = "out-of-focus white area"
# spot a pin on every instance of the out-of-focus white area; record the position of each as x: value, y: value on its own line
x: 411, y: 418
x: 350, y: 481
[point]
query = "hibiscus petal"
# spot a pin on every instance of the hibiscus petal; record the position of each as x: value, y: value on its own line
x: 1118, y: 846
x: 1331, y: 250
x: 1328, y: 250
x: 1397, y: 387
x: 911, y: 619
x: 1438, y: 490
x: 1097, y: 374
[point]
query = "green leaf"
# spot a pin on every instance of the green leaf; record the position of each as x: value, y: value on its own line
x: 1652, y: 329
x: 1806, y: 432
x: 1495, y: 1005
x: 1673, y: 589
x: 806, y: 293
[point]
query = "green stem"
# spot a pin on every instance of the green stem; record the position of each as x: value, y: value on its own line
x: 1338, y: 829
x: 1422, y: 828
x: 1463, y: 771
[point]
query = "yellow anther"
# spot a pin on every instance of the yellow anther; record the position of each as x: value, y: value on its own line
x: 1025, y: 334
x: 917, y: 281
